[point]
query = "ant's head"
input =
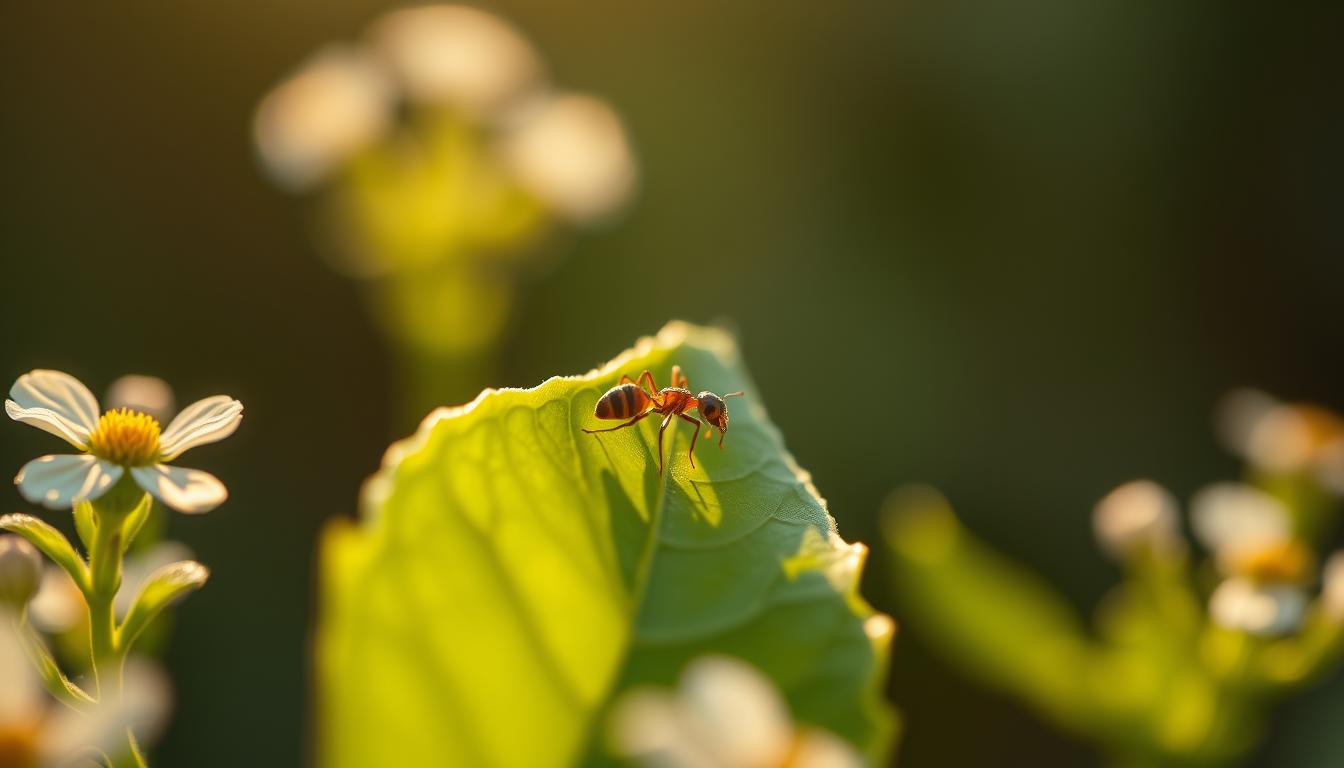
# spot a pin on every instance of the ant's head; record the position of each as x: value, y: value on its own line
x: 715, y: 411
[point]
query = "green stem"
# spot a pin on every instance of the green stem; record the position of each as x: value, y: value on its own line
x: 105, y: 570
x: 105, y: 562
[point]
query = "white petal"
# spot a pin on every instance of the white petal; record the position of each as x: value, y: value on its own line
x: 734, y: 712
x: 646, y: 725
x: 467, y: 59
x: 338, y: 102
x: 21, y: 694
x: 1138, y: 515
x: 186, y: 490
x: 57, y: 482
x: 1231, y: 517
x: 59, y: 393
x: 58, y: 605
x: 68, y: 735
x: 820, y: 749
x: 51, y: 422
x: 203, y: 422
x: 1260, y: 609
x: 571, y: 151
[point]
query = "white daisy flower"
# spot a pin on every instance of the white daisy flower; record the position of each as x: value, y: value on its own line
x: 725, y: 714
x: 571, y: 151
x: 117, y: 442
x: 37, y: 733
x: 1139, y: 515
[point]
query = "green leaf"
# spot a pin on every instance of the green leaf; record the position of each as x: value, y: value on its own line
x: 163, y: 587
x: 53, y: 678
x: 84, y: 525
x: 52, y: 543
x: 135, y: 521
x: 511, y: 576
x: 994, y: 618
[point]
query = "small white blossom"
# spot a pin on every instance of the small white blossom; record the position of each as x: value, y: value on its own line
x: 456, y: 56
x: 41, y: 734
x: 725, y: 714
x: 1234, y: 519
x: 115, y: 443
x: 571, y: 151
x: 1275, y: 436
x: 1137, y: 515
x: 1250, y: 534
x: 1257, y: 608
x: 147, y: 394
x: 338, y: 102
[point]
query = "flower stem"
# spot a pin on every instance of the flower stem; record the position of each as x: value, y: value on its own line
x: 105, y: 570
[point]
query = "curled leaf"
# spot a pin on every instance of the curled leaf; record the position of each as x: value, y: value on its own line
x: 163, y: 588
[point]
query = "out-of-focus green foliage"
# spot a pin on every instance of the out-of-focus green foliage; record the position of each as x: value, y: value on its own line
x: 511, y: 575
x: 1156, y: 682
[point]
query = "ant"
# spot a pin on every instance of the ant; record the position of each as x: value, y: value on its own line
x: 629, y: 400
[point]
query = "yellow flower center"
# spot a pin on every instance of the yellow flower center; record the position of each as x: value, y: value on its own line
x: 1286, y: 562
x: 126, y: 437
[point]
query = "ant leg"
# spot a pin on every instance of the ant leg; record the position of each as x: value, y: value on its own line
x: 613, y: 429
x: 679, y: 380
x: 661, y: 430
x: 690, y: 452
x: 647, y: 377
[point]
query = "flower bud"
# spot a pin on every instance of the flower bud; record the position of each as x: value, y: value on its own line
x: 20, y: 571
x: 1139, y: 515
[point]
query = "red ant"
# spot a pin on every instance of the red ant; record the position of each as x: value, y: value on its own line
x: 629, y: 400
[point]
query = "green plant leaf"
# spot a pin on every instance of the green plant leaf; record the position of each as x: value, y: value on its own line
x: 163, y: 587
x: 135, y: 521
x: 84, y: 525
x: 511, y: 575
x: 53, y: 678
x: 51, y: 542
x: 995, y: 619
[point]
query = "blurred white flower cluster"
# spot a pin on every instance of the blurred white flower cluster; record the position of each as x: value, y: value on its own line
x: 444, y: 156
x: 567, y: 149
x: 1259, y: 533
x: 1284, y: 438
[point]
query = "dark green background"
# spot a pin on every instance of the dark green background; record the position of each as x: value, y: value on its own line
x: 1015, y: 249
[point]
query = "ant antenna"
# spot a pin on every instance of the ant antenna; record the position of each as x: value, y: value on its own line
x: 738, y: 393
